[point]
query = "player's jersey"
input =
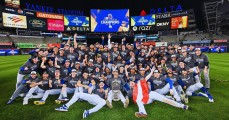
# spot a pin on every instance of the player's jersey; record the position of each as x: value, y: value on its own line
x: 115, y: 83
x: 124, y: 54
x: 91, y: 55
x: 201, y: 60
x: 104, y: 56
x: 31, y: 67
x: 51, y: 70
x: 89, y: 69
x: 114, y: 55
x: 174, y: 64
x: 82, y: 53
x: 99, y: 65
x: 64, y: 71
x: 45, y: 83
x: 121, y: 75
x: 187, y: 80
x: 175, y: 79
x: 60, y: 60
x: 79, y: 72
x: 141, y: 59
x: 100, y: 92
x: 70, y: 81
x: 157, y: 83
x: 97, y: 75
x: 85, y: 81
x: 179, y: 69
x: 56, y: 84
x: 188, y: 60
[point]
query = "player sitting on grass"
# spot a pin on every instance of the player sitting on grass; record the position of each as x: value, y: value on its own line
x: 190, y: 86
x: 96, y: 99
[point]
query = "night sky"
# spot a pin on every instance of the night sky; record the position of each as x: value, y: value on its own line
x: 135, y: 6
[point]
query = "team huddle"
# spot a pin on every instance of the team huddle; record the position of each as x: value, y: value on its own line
x: 100, y: 74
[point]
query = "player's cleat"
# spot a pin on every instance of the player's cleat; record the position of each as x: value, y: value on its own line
x: 41, y: 102
x: 203, y: 94
x: 25, y: 101
x: 63, y: 108
x: 126, y: 102
x: 9, y: 102
x: 85, y: 113
x: 185, y: 107
x: 140, y: 115
x: 186, y: 99
x: 65, y: 99
x: 109, y: 104
x: 58, y: 101
x: 211, y: 100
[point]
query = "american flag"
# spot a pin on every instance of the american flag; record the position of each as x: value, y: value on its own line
x: 15, y: 19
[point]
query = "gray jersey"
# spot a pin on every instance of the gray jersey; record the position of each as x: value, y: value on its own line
x: 31, y: 67
x: 189, y: 60
x: 175, y: 79
x: 157, y: 83
x: 45, y: 84
x: 201, y: 61
x: 70, y: 81
x: 115, y: 84
x: 187, y: 80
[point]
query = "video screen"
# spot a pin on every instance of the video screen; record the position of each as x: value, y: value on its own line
x: 72, y: 20
x: 109, y: 20
x: 179, y: 22
x: 143, y: 20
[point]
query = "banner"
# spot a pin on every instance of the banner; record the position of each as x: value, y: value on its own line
x: 30, y: 45
x: 13, y: 10
x: 70, y: 20
x: 12, y: 20
x: 109, y: 20
x: 179, y: 22
x: 220, y: 41
x: 162, y: 16
x: 143, y: 20
x: 163, y: 24
x: 13, y: 3
x: 50, y: 16
x: 54, y: 45
x: 37, y: 23
x: 159, y: 44
x: 24, y: 32
x: 30, y: 13
x: 197, y: 42
x: 55, y: 25
x: 8, y: 52
x: 5, y: 43
x: 179, y: 13
x: 76, y: 29
x: 143, y: 28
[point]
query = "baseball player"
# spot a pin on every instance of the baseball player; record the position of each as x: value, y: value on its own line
x: 189, y: 84
x: 115, y: 83
x: 143, y: 96
x: 96, y: 99
x: 33, y: 77
x: 86, y: 84
x: 30, y: 65
x: 55, y: 88
x: 37, y: 87
x: 202, y: 63
x: 69, y: 86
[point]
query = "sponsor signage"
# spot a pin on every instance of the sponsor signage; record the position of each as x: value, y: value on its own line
x: 76, y: 29
x: 162, y: 16
x: 159, y: 44
x: 220, y: 41
x: 143, y: 20
x: 50, y: 16
x: 37, y: 23
x: 12, y: 20
x: 163, y: 24
x: 8, y: 52
x: 30, y: 45
x: 55, y: 25
x: 30, y: 13
x: 179, y: 13
x: 143, y: 28
x: 54, y: 45
x: 5, y: 43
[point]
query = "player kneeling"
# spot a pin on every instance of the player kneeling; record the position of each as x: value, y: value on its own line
x: 188, y: 83
x: 142, y: 96
x: 96, y: 99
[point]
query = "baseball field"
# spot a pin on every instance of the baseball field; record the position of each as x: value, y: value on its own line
x: 200, y: 108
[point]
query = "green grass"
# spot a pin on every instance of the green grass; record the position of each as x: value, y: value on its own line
x: 200, y: 108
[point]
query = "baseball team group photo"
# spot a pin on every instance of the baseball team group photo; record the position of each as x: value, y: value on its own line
x: 105, y: 60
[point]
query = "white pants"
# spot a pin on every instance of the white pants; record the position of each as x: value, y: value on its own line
x: 32, y: 90
x: 178, y: 89
x: 193, y: 88
x: 66, y: 90
x: 206, y: 77
x: 19, y: 79
x: 165, y: 90
x: 91, y: 98
x: 120, y: 95
x: 50, y: 92
x: 156, y: 96
x: 197, y: 78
